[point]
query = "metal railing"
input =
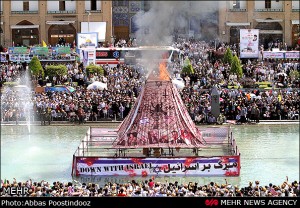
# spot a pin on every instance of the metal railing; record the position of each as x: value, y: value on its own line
x: 237, y: 10
x: 62, y: 12
x: 232, y: 143
x: 295, y: 10
x: 94, y: 143
x: 93, y: 11
x: 24, y: 12
x: 268, y: 10
x: 83, y: 146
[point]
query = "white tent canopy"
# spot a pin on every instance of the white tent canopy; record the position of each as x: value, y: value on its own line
x: 97, y: 86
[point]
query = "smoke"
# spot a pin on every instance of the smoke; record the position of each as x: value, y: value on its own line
x: 166, y: 19
x: 157, y: 26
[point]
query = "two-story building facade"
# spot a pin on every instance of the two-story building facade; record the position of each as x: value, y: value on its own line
x: 31, y: 22
x: 275, y: 19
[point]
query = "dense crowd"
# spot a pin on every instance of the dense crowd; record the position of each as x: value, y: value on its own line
x: 124, y: 83
x: 123, y: 86
x: 152, y: 188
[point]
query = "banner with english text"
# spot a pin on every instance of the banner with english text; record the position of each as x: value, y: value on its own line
x: 201, y: 166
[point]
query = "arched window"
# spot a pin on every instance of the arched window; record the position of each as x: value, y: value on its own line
x: 61, y: 34
x: 25, y: 34
x: 267, y: 35
x: 295, y: 34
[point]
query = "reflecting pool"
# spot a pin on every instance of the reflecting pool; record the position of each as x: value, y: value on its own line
x: 269, y: 153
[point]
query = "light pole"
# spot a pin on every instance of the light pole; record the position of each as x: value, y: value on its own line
x: 89, y: 21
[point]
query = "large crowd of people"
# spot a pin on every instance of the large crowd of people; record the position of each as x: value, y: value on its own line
x: 124, y: 83
x: 151, y: 188
x: 243, y: 103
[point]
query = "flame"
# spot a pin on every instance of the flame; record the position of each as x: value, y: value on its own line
x: 163, y: 73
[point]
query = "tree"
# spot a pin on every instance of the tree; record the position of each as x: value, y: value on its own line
x: 294, y: 74
x: 228, y: 57
x: 187, y: 67
x: 36, y: 68
x: 92, y: 69
x: 236, y: 67
x: 56, y: 70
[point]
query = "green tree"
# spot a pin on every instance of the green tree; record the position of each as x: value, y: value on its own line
x: 36, y: 68
x: 92, y: 69
x: 294, y: 74
x: 236, y: 67
x: 56, y: 70
x: 187, y: 67
x: 228, y: 57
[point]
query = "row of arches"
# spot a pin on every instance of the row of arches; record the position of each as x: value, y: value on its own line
x: 61, y: 34
x: 29, y: 36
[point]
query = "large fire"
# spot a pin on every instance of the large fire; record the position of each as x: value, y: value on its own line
x: 163, y: 73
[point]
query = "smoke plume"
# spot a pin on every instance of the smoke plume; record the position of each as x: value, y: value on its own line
x: 157, y: 26
x: 166, y: 19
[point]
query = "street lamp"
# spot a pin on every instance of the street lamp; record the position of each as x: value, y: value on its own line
x: 89, y: 21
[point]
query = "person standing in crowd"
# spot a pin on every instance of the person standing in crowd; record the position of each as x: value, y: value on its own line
x: 256, y: 114
x: 81, y: 115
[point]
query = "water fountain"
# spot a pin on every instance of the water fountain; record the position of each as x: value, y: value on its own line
x: 25, y: 98
x: 16, y: 101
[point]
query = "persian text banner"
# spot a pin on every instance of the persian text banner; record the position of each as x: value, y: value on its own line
x: 202, y: 166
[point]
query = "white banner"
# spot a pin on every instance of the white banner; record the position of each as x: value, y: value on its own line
x: 292, y: 54
x: 87, y: 56
x: 249, y: 40
x: 98, y: 27
x: 281, y: 55
x: 273, y: 55
x: 91, y: 56
x: 208, y: 166
x: 87, y: 40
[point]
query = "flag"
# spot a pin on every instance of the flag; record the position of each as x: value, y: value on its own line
x: 4, y: 183
x: 44, y: 44
x: 74, y: 44
x: 273, y: 192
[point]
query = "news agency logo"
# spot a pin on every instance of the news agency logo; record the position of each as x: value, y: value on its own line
x: 15, y: 191
x: 211, y: 202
